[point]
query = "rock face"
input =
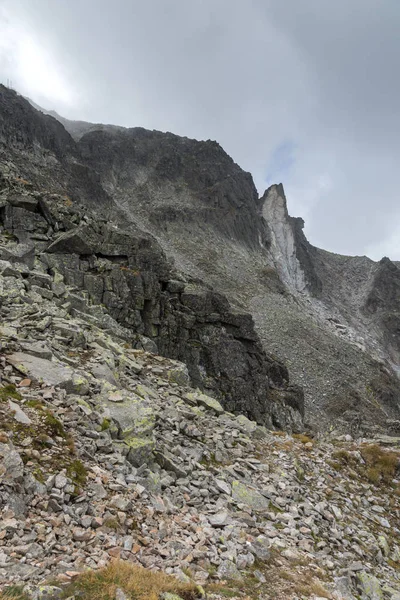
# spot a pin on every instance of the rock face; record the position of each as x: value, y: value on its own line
x: 129, y: 281
x: 109, y: 450
x: 332, y: 319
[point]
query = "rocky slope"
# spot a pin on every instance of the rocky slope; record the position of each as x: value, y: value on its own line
x: 137, y: 403
x: 106, y: 451
x: 334, y: 320
x: 124, y: 270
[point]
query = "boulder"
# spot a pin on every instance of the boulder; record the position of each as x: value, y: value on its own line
x: 243, y: 494
x: 50, y: 373
x: 11, y: 465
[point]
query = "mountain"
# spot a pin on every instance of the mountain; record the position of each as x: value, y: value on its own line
x: 333, y: 320
x: 158, y: 325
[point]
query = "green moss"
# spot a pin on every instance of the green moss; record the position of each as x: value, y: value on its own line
x: 111, y: 523
x: 105, y: 424
x: 78, y: 473
x: 35, y: 404
x: 54, y: 425
x: 38, y: 475
x: 9, y: 391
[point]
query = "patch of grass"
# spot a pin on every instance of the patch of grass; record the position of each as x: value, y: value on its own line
x: 54, y: 425
x: 304, y: 439
x: 105, y: 424
x: 78, y: 473
x: 14, y: 592
x: 137, y: 583
x: 9, y: 391
x: 42, y: 440
x: 70, y: 442
x: 381, y: 465
x: 342, y: 456
x: 35, y: 404
x: 112, y: 523
x: 309, y: 586
x: 222, y: 590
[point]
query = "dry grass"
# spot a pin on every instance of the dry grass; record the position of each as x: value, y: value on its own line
x: 13, y: 592
x: 137, y: 583
x: 381, y: 465
x: 310, y: 586
x: 304, y: 439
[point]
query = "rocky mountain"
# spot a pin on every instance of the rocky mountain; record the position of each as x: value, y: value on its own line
x: 159, y: 323
x: 333, y: 320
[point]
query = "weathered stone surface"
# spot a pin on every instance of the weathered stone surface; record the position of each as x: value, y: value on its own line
x: 18, y: 413
x: 227, y: 570
x: 11, y: 465
x: 243, y: 494
x: 370, y: 587
x: 132, y: 414
x: 139, y: 450
x: 206, y: 401
x: 49, y: 372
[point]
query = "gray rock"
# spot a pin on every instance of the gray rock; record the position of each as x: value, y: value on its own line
x: 206, y: 401
x: 19, y: 414
x: 47, y: 592
x: 219, y: 519
x: 228, y: 570
x: 370, y: 586
x: 120, y: 595
x: 252, y: 498
x: 11, y: 465
x: 49, y: 372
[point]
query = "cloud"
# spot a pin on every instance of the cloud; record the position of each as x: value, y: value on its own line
x: 306, y: 92
x: 30, y: 66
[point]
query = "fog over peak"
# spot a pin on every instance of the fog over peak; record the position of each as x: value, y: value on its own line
x: 305, y: 93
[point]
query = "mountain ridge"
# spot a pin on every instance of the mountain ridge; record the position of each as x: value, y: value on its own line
x: 206, y: 214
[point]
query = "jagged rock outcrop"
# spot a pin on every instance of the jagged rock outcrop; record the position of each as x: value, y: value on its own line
x: 309, y: 305
x: 128, y: 281
x: 200, y: 184
x: 292, y: 255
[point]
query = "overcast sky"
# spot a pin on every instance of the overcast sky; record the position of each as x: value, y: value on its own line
x: 304, y: 92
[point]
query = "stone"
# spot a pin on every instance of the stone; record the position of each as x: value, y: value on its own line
x: 139, y: 450
x: 77, y: 241
x: 243, y: 494
x: 167, y: 463
x: 103, y: 371
x: 206, y: 401
x: 24, y: 383
x: 133, y: 415
x: 260, y: 547
x: 19, y: 414
x: 120, y: 595
x: 223, y: 486
x: 228, y: 570
x: 11, y: 464
x: 219, y: 519
x: 50, y: 373
x: 370, y: 586
x: 179, y: 375
x: 47, y: 592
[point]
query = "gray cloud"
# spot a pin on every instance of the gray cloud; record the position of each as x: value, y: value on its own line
x: 304, y: 92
